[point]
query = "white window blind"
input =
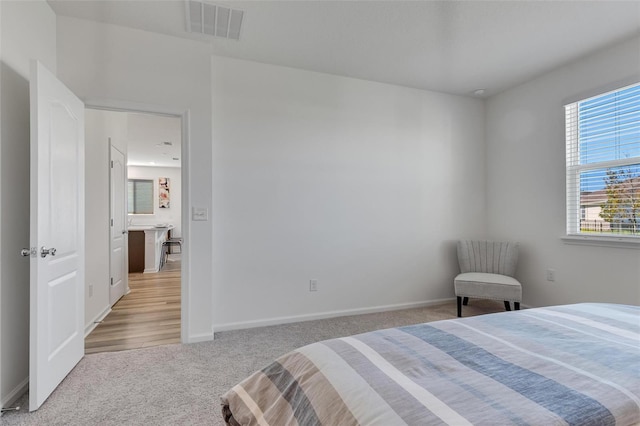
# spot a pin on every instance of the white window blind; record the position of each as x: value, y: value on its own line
x: 140, y: 196
x: 603, y: 164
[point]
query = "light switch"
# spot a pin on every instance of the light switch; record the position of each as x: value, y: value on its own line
x: 200, y: 213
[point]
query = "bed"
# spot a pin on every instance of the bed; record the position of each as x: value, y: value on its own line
x: 573, y: 364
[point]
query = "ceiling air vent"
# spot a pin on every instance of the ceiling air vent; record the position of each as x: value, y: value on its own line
x: 213, y: 20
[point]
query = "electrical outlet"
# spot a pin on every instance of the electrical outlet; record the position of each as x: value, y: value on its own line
x: 313, y: 285
x: 551, y: 274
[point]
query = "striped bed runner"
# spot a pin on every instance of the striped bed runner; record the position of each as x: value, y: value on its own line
x: 573, y: 364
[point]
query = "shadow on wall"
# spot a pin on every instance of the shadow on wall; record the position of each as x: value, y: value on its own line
x: 14, y: 227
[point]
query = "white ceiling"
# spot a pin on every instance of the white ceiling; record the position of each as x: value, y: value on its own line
x: 153, y: 140
x: 448, y: 46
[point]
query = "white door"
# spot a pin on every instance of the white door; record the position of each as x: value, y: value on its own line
x: 57, y: 234
x: 118, y: 226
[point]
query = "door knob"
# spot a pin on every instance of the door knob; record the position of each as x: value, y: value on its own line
x: 26, y: 252
x: 44, y: 251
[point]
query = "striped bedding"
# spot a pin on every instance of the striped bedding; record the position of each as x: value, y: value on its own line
x: 573, y: 364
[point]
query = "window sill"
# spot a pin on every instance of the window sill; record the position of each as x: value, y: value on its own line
x: 603, y: 241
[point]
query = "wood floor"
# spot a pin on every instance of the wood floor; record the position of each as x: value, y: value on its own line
x: 148, y: 316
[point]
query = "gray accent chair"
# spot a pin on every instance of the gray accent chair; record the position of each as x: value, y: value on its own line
x: 487, y: 272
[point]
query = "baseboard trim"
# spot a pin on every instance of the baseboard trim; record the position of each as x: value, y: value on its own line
x: 16, y: 393
x: 203, y: 337
x: 323, y: 315
x: 94, y: 322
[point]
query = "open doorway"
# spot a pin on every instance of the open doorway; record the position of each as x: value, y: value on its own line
x: 142, y: 286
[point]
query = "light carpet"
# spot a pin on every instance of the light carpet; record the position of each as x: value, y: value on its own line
x: 182, y: 384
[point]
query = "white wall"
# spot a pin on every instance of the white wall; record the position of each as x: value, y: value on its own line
x: 2, y: 397
x: 390, y: 188
x: 99, y: 127
x: 526, y: 184
x: 107, y: 62
x: 360, y: 185
x: 28, y: 30
x: 170, y: 215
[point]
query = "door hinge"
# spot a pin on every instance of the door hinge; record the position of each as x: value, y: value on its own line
x: 111, y: 222
x: 111, y: 281
x: 112, y: 164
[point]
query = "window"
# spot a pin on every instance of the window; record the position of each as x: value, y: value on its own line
x: 603, y: 165
x: 140, y: 193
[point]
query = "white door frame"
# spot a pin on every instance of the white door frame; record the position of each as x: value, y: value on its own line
x: 184, y: 115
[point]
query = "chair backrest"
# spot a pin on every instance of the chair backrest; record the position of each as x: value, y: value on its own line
x: 488, y: 256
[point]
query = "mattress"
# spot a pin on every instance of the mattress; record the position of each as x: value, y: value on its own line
x: 573, y: 364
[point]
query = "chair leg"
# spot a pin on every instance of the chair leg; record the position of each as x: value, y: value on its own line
x: 516, y: 305
x: 459, y: 300
x: 163, y: 257
x: 507, y: 306
x: 465, y: 301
